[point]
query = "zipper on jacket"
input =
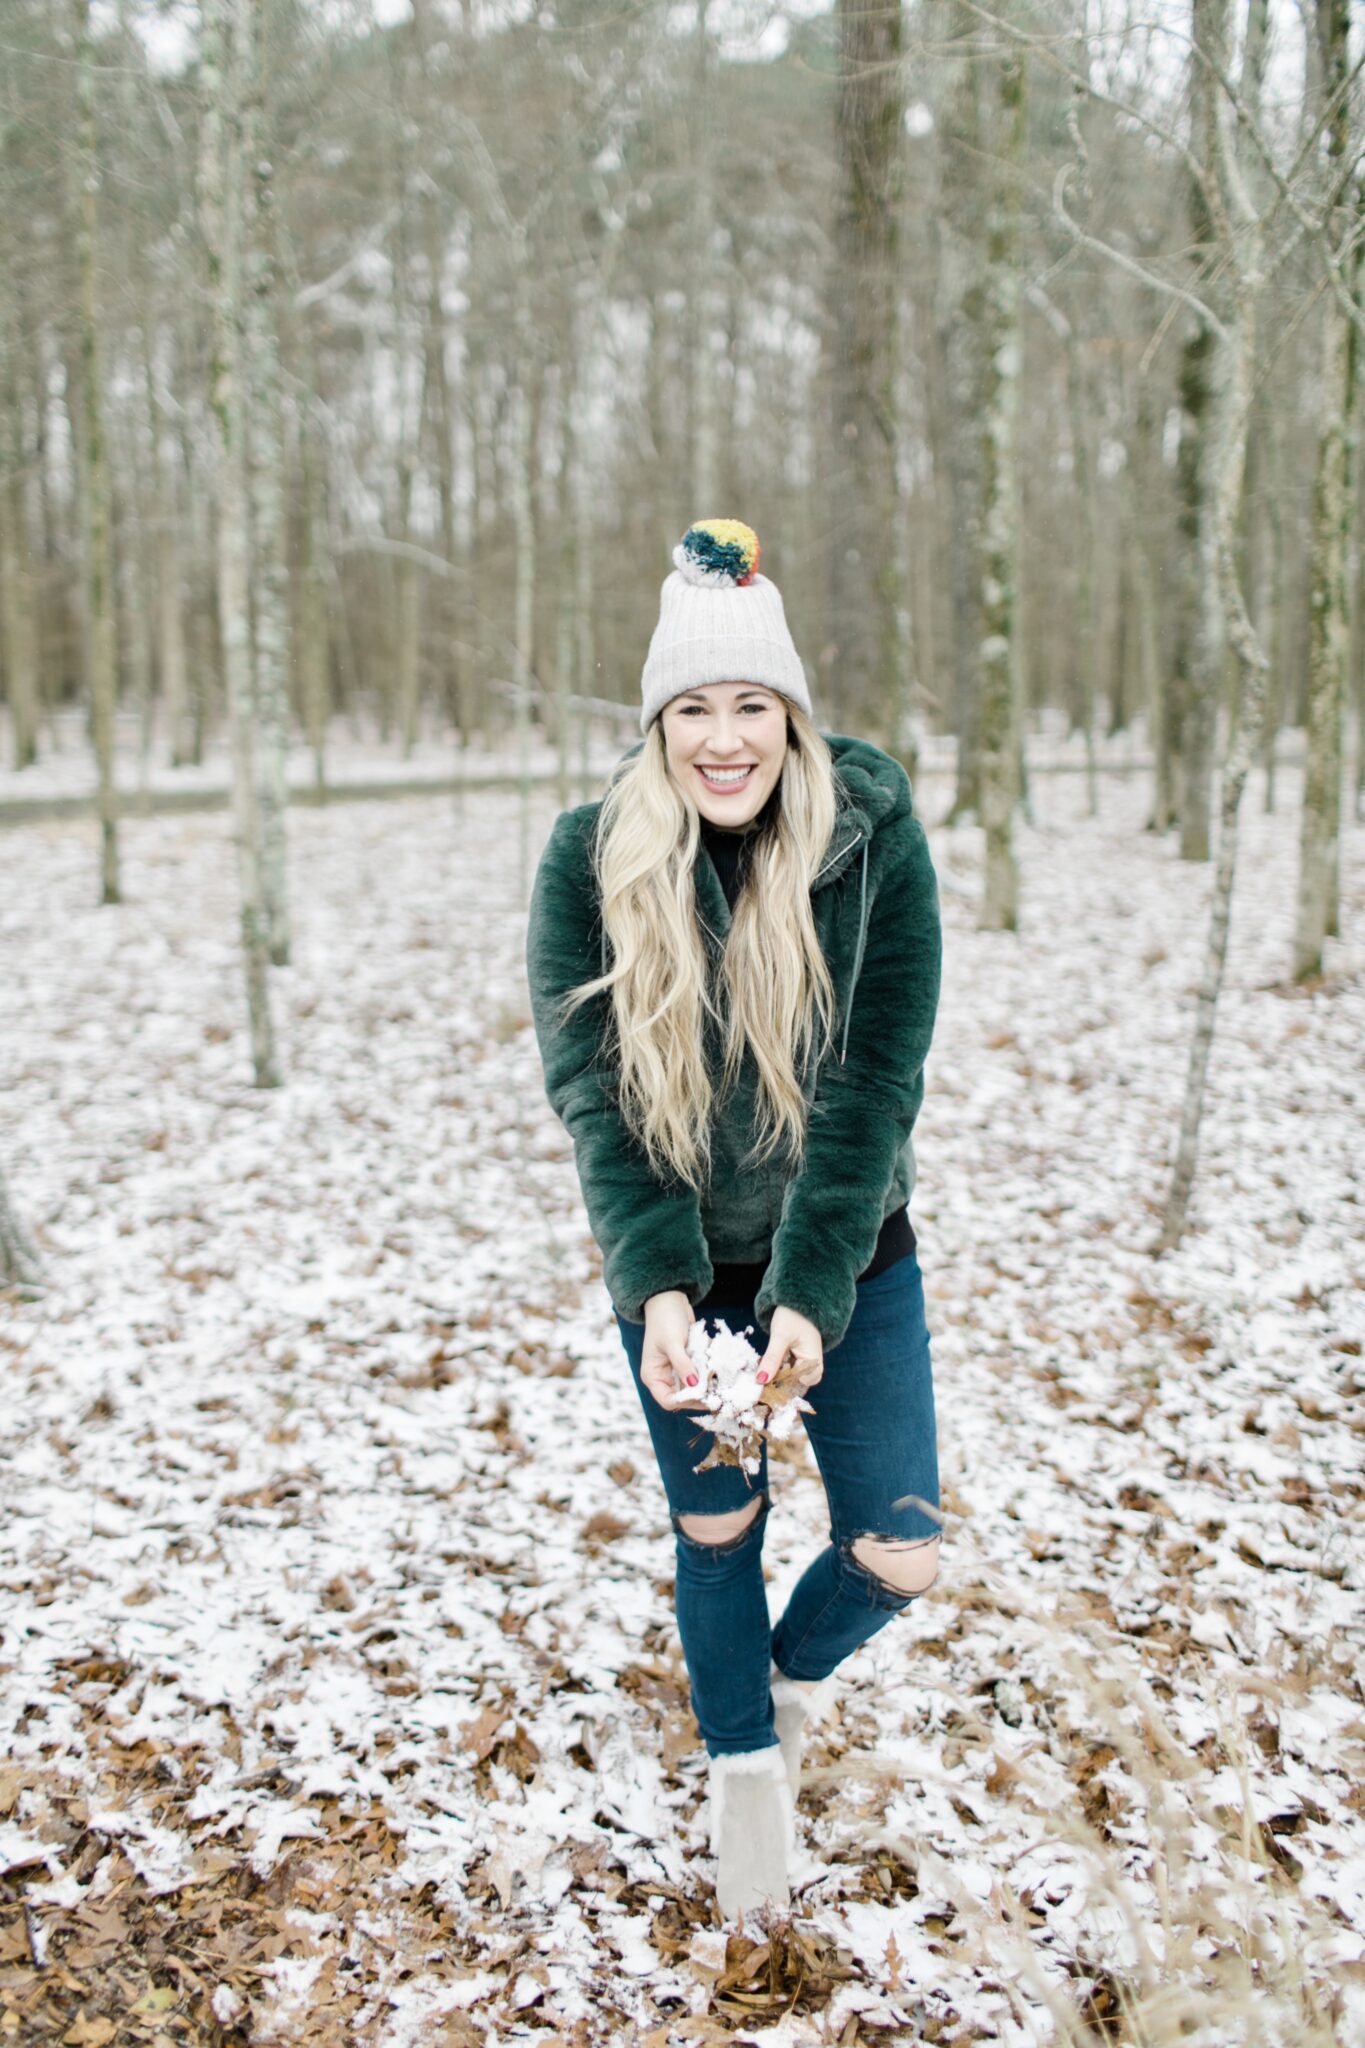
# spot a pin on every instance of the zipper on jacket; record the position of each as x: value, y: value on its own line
x: 836, y: 856
x: 858, y: 954
x: 859, y: 949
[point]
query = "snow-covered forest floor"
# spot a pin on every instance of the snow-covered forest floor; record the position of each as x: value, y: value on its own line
x: 354, y: 753
x: 340, y: 1696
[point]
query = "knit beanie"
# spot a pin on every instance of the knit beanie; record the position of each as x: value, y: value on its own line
x: 719, y: 622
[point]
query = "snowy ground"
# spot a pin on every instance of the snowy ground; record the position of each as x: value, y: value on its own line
x: 65, y: 768
x: 339, y: 1687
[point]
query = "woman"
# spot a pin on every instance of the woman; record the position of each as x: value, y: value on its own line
x: 734, y: 970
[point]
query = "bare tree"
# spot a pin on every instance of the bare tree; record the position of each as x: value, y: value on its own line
x: 410, y: 369
x: 1202, y: 647
x: 165, y: 462
x: 224, y: 183
x: 1000, y: 524
x: 524, y: 525
x: 1240, y: 234
x: 1320, y: 817
x: 264, y: 430
x: 702, y: 281
x: 865, y: 679
x: 961, y: 345
x: 101, y: 646
x: 16, y: 586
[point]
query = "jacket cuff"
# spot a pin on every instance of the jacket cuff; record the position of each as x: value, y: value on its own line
x: 629, y: 1292
x: 830, y: 1307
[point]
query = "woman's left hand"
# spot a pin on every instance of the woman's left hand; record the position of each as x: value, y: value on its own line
x: 795, y: 1350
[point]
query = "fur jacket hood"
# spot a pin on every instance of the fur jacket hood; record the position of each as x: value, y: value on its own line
x: 875, y: 904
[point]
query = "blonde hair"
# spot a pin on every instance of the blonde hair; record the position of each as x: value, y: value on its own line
x: 775, y: 994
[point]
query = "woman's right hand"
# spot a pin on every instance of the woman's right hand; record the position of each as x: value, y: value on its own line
x: 665, y: 1367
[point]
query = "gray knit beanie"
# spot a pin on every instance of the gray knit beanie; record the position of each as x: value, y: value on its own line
x: 719, y: 622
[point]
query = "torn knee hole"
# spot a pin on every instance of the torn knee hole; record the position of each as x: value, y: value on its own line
x: 717, y: 1530
x: 906, y: 1567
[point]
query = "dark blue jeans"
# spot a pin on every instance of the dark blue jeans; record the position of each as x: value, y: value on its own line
x: 874, y: 1441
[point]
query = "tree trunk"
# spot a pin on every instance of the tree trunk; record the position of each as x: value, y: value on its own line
x: 204, y: 637
x: 903, y: 738
x: 410, y: 364
x: 1080, y: 406
x: 524, y: 530
x: 441, y: 434
x: 867, y: 687
x: 135, y: 588
x: 672, y: 516
x: 16, y: 595
x: 224, y: 202
x: 265, y: 468
x: 1199, y: 660
x: 1000, y: 528
x: 434, y: 61
x: 1320, y: 816
x: 1229, y: 404
x: 1317, y: 911
x: 702, y: 365
x: 1358, y: 635
x: 314, y: 654
x: 170, y: 614
x: 1262, y: 557
x: 583, y: 499
x: 959, y: 333
x: 101, y: 631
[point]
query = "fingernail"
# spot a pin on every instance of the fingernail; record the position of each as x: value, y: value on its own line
x: 763, y: 1379
x: 691, y: 1379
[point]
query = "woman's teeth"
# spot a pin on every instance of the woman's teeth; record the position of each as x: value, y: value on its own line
x: 727, y: 778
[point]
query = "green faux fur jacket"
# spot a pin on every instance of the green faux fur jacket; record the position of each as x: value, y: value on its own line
x: 875, y: 902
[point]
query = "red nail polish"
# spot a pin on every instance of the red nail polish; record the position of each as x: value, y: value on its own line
x: 763, y: 1379
x: 691, y: 1379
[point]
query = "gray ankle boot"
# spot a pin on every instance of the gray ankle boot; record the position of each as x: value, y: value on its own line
x: 753, y: 1830
x: 795, y: 1702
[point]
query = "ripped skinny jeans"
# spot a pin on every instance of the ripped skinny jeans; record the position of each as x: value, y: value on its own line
x: 874, y: 1441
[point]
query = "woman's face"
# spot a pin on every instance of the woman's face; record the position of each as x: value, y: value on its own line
x: 712, y: 733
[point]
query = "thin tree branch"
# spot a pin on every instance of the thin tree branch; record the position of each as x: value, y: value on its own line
x: 1128, y: 263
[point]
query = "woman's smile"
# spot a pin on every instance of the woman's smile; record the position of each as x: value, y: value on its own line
x: 725, y: 780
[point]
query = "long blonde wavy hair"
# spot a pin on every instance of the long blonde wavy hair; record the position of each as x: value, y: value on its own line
x: 774, y: 992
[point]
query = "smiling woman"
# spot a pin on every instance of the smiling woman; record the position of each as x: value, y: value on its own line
x: 730, y: 741
x: 742, y: 1133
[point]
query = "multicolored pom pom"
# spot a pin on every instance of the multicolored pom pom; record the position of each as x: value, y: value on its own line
x: 720, y: 553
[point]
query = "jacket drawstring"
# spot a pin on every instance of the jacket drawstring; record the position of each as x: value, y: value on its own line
x: 858, y: 954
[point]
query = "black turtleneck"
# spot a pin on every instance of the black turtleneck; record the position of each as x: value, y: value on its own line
x: 737, y: 1285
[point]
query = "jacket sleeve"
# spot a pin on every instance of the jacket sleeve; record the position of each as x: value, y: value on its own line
x: 863, y: 1110
x: 650, y: 1234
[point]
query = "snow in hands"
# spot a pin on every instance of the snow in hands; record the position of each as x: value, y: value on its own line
x: 741, y: 1409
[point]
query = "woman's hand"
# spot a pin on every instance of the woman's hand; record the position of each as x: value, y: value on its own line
x: 796, y: 1350
x: 665, y: 1367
